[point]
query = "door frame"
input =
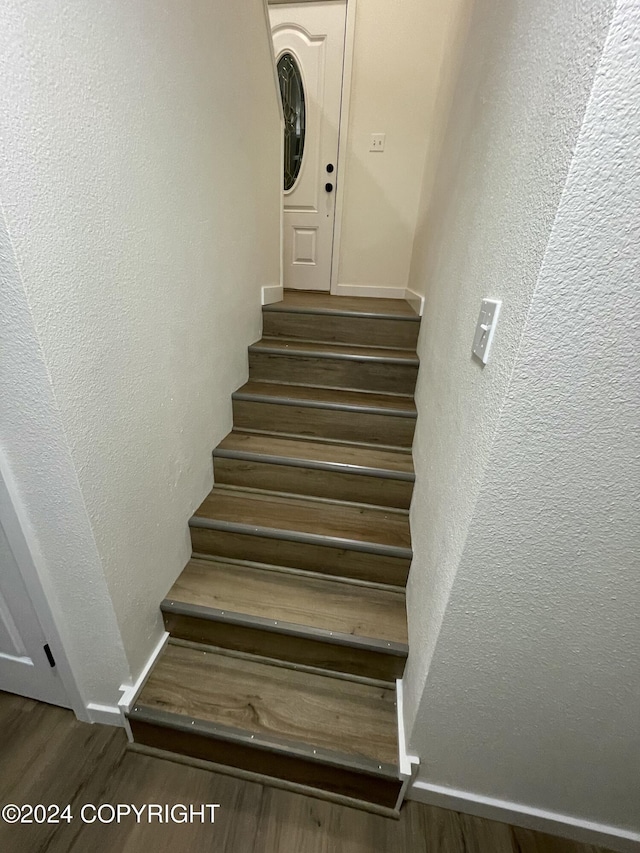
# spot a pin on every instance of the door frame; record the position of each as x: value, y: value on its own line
x: 343, y: 132
x: 16, y: 527
x: 274, y: 293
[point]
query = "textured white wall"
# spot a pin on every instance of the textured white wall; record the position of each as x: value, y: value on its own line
x: 526, y: 73
x: 400, y: 49
x: 139, y: 174
x: 42, y: 477
x: 532, y: 690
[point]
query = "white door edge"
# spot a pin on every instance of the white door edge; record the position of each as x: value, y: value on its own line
x: 343, y: 127
x: 13, y: 521
x: 276, y: 88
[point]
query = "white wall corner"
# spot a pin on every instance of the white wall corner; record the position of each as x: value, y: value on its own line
x: 540, y: 820
x: 272, y: 293
x: 416, y: 300
x: 408, y: 764
x: 373, y: 290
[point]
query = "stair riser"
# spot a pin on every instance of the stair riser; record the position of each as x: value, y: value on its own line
x: 291, y: 768
x: 312, y: 481
x: 340, y: 658
x: 324, y: 423
x: 363, y: 331
x: 378, y: 568
x: 383, y: 377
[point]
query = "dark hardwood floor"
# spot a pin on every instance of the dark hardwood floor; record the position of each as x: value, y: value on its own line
x: 47, y: 757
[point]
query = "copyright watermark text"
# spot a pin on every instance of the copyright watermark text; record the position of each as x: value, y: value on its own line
x: 110, y: 813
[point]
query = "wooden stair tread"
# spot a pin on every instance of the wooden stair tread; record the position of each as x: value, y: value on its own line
x: 335, y: 523
x: 351, y: 458
x: 298, y: 599
x: 325, y: 303
x: 277, y: 704
x: 319, y: 349
x: 302, y: 395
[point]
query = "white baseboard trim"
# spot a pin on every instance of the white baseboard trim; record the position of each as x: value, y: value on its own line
x: 130, y: 691
x: 554, y: 823
x: 416, y: 300
x: 108, y: 715
x: 114, y: 715
x: 370, y: 290
x: 408, y: 764
x: 272, y: 293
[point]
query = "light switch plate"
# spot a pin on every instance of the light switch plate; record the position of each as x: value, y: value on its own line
x: 377, y: 142
x: 485, y: 328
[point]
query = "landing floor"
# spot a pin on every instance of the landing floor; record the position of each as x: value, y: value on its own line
x: 47, y: 757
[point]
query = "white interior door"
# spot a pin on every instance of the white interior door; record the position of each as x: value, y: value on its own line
x: 309, y: 47
x: 24, y: 665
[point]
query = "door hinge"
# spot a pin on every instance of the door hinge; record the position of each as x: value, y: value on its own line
x: 50, y: 657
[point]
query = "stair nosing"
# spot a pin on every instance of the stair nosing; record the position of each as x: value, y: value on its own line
x: 338, y: 312
x: 315, y: 464
x: 232, y: 489
x: 301, y: 537
x: 351, y: 389
x: 292, y: 629
x: 269, y: 567
x: 280, y: 746
x: 243, y: 396
x: 209, y: 648
x: 409, y: 361
x: 298, y: 436
x: 320, y: 342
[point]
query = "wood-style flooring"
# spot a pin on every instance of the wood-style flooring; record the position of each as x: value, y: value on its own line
x: 314, y: 301
x: 351, y: 718
x: 311, y: 518
x: 337, y: 398
x: 352, y: 456
x: 47, y: 757
x: 293, y: 597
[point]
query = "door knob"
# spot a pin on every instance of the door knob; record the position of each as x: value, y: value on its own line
x: 329, y: 167
x: 328, y: 187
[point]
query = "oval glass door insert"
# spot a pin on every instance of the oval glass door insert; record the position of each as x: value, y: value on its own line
x: 292, y: 93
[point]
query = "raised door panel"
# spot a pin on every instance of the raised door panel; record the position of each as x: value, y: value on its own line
x: 310, y: 37
x: 24, y: 668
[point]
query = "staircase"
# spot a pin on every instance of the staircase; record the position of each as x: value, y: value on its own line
x: 288, y: 625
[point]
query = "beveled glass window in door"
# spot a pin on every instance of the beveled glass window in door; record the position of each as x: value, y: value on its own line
x: 292, y: 93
